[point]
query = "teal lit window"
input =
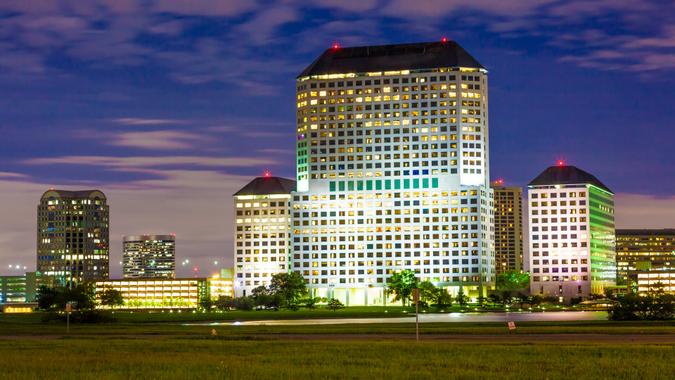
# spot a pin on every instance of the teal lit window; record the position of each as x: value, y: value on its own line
x: 332, y: 185
x: 434, y: 183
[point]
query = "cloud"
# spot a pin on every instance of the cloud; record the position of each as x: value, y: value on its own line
x: 142, y: 162
x: 136, y: 121
x: 262, y: 27
x: 158, y: 140
x: 440, y: 8
x: 227, y: 8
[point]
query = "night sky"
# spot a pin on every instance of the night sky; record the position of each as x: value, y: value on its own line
x: 170, y: 106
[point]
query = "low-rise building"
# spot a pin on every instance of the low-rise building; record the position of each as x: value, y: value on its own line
x: 656, y: 282
x: 179, y: 293
x: 18, y: 288
x: 642, y: 251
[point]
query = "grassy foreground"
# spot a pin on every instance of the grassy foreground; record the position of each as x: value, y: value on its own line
x: 186, y: 358
x: 144, y: 346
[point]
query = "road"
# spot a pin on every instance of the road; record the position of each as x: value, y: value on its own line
x: 553, y: 316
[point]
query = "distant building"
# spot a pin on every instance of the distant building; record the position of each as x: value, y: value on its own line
x: 178, y: 293
x: 655, y: 282
x: 72, y: 236
x: 508, y: 217
x: 571, y: 233
x: 149, y: 256
x: 221, y: 284
x: 639, y: 251
x: 18, y: 289
x: 262, y: 232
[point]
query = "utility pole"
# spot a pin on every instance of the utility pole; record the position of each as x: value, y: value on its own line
x: 416, y: 298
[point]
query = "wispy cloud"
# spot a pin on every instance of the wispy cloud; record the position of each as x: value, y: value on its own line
x: 159, y: 140
x: 138, y: 121
x: 139, y: 162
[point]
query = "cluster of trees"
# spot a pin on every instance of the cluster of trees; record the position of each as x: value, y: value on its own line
x: 287, y: 290
x: 402, y: 285
x: 633, y: 307
x: 81, y: 297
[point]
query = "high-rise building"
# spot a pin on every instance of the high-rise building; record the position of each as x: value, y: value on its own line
x: 262, y: 232
x: 149, y: 256
x: 72, y: 236
x: 392, y: 171
x: 508, y: 220
x: 643, y: 250
x: 571, y: 233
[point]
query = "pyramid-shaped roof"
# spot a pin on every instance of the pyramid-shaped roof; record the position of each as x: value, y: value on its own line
x: 268, y: 185
x: 566, y: 175
x: 362, y: 59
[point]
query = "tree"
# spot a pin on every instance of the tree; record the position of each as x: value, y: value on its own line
x: 335, y: 304
x: 289, y: 287
x: 82, y: 296
x: 431, y: 294
x: 224, y: 303
x: 264, y: 298
x: 648, y: 307
x: 513, y: 280
x: 46, y: 297
x: 402, y: 285
x: 244, y: 303
x: 461, y: 298
x: 111, y: 297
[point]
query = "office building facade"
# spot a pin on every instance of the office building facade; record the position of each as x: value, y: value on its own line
x: 571, y: 234
x: 72, y: 236
x: 262, y: 232
x: 642, y: 251
x: 508, y: 221
x: 392, y: 171
x: 18, y: 289
x: 149, y: 256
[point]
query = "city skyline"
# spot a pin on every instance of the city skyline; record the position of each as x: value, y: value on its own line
x: 171, y: 144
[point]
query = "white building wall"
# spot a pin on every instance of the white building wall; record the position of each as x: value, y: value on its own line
x: 261, y: 240
x: 559, y: 241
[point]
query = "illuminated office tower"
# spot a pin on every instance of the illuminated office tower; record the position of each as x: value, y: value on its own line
x: 392, y: 171
x: 262, y: 232
x: 640, y: 251
x: 571, y: 233
x: 508, y: 220
x: 149, y: 256
x: 72, y: 236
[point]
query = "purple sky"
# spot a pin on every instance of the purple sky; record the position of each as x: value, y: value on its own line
x: 170, y: 106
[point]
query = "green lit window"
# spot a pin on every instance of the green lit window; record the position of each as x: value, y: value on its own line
x: 342, y: 186
x: 416, y: 183
x: 332, y: 185
x: 387, y: 184
x: 425, y: 183
x: 434, y: 183
x: 369, y: 185
x: 406, y: 183
x: 350, y: 185
x: 397, y: 184
x: 378, y: 185
x: 359, y: 185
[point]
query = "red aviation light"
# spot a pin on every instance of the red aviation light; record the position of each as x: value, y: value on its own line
x: 561, y: 163
x: 444, y: 39
x: 267, y: 174
x: 336, y: 45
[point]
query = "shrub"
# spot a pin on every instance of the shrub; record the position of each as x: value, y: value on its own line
x: 633, y: 307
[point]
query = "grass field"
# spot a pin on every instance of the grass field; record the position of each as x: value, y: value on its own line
x: 187, y: 358
x: 161, y: 347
